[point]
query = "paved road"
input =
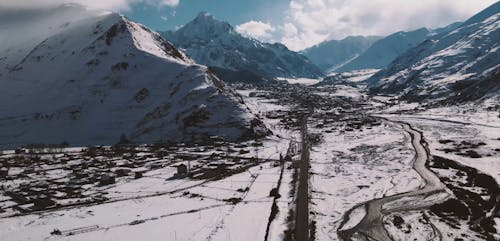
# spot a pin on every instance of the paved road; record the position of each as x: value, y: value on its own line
x: 302, y: 218
x: 371, y: 226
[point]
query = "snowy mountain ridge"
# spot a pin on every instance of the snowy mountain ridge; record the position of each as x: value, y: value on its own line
x: 89, y: 77
x: 372, y: 52
x: 385, y: 50
x: 217, y: 44
x: 447, y: 64
x: 333, y: 54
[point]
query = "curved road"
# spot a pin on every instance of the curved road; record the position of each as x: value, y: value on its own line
x: 371, y: 226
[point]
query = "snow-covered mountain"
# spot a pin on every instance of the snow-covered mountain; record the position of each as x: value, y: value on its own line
x: 88, y: 77
x: 333, y: 54
x: 463, y: 62
x: 217, y: 44
x: 384, y: 51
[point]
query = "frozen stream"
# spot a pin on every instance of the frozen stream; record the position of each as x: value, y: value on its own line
x: 371, y: 226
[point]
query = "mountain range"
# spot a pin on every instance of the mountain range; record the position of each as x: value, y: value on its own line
x: 385, y: 50
x: 461, y: 64
x: 217, y: 44
x: 333, y: 54
x: 359, y: 53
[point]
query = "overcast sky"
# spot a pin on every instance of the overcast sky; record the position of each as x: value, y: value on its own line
x: 296, y: 23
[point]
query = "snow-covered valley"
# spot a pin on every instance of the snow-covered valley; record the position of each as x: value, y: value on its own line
x: 247, y: 191
x: 108, y: 131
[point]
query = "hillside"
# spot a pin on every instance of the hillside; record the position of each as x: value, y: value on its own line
x: 384, y: 51
x: 89, y: 77
x: 448, y: 64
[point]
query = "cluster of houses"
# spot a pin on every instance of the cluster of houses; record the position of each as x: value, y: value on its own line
x: 39, y: 182
x: 35, y: 182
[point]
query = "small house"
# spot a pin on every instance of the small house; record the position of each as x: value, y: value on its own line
x: 42, y: 202
x: 4, y: 172
x: 121, y: 172
x: 139, y: 172
x: 107, y: 179
x: 182, y: 170
x: 138, y: 175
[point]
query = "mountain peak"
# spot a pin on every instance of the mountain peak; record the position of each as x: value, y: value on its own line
x: 204, y: 26
x: 216, y: 43
x: 206, y: 18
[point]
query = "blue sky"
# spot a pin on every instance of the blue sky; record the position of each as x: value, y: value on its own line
x: 234, y: 11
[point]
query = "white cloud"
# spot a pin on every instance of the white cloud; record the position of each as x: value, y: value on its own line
x: 256, y: 29
x: 102, y: 4
x: 308, y: 22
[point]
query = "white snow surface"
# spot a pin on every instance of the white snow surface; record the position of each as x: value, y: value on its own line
x: 300, y: 81
x: 353, y: 167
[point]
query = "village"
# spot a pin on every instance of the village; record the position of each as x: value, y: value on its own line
x: 204, y: 190
x: 36, y: 180
x: 39, y: 179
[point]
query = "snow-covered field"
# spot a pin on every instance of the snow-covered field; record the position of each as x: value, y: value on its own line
x: 352, y: 167
x: 354, y: 76
x: 223, y: 164
x: 468, y: 135
x: 156, y: 208
x: 356, y: 158
x: 159, y: 206
x: 302, y: 81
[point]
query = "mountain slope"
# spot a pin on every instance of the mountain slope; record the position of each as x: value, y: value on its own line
x: 89, y: 77
x: 217, y: 44
x: 333, y: 54
x: 448, y: 64
x: 384, y: 51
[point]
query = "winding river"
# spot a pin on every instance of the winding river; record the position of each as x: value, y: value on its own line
x: 371, y: 225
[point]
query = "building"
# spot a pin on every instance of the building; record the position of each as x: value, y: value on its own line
x: 182, y: 170
x: 4, y: 172
x: 42, y: 202
x: 107, y: 179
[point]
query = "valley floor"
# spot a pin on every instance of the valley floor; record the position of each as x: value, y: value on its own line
x: 361, y: 150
